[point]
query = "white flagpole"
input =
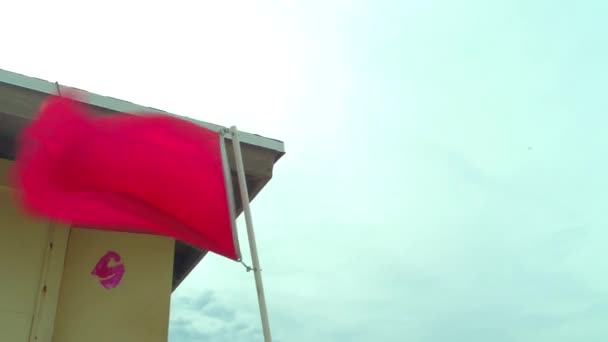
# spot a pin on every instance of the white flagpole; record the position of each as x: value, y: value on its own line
x: 240, y: 169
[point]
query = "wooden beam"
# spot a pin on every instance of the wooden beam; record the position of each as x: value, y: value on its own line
x: 43, y: 322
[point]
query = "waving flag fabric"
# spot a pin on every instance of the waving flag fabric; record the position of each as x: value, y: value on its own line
x: 147, y: 173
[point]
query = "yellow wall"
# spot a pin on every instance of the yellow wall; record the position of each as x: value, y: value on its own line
x: 22, y: 247
x: 47, y: 292
x: 136, y: 310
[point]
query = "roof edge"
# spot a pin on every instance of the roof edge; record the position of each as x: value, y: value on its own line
x: 113, y: 104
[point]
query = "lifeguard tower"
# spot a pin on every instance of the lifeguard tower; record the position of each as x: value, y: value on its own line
x: 49, y: 291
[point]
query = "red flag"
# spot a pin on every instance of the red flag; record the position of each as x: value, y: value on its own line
x: 149, y: 173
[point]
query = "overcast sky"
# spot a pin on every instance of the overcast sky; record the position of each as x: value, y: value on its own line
x: 446, y: 169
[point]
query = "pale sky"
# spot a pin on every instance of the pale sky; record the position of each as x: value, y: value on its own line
x: 445, y: 174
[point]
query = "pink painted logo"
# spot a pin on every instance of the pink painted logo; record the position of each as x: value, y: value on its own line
x: 109, y: 270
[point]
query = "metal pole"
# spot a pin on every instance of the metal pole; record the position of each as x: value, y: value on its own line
x: 240, y: 169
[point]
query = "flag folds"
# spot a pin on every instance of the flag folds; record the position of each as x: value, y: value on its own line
x: 147, y: 173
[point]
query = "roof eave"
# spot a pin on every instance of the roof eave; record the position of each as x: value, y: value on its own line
x: 117, y: 105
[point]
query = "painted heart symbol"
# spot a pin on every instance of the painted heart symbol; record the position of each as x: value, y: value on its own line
x: 109, y: 270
